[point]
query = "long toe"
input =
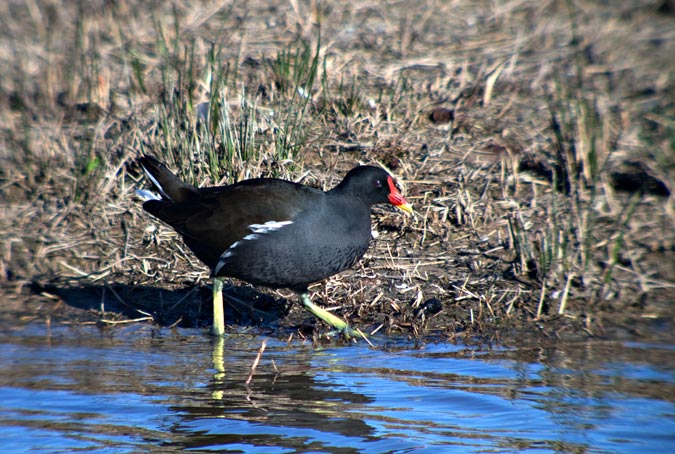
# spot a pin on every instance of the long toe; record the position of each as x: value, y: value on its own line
x: 336, y: 322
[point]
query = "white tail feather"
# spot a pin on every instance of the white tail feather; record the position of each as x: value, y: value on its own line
x: 156, y: 183
x: 146, y: 195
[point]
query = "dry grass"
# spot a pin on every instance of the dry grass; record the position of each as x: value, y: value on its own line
x: 535, y: 139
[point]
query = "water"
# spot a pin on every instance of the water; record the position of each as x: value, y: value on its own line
x: 140, y: 389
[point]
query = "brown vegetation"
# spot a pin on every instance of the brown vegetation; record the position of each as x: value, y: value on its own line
x: 536, y: 141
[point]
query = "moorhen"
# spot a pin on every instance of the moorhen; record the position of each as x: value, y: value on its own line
x: 272, y: 232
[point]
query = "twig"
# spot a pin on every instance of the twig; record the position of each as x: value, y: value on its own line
x: 365, y: 338
x: 540, y: 307
x: 256, y: 361
x: 563, y: 300
x: 120, y: 322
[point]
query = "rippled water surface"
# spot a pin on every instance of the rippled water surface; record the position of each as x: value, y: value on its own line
x: 137, y: 389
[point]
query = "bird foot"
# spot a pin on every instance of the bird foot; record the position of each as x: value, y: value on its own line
x: 341, y: 326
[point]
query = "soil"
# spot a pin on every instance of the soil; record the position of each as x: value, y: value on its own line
x: 536, y: 142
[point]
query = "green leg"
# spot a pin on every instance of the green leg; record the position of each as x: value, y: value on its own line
x: 218, y: 328
x: 332, y: 320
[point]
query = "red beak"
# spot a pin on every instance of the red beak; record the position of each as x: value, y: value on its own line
x: 396, y: 199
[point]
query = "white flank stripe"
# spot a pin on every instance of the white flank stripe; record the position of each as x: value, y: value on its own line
x: 229, y: 252
x: 257, y: 229
x: 269, y: 226
x: 234, y: 245
x: 223, y: 259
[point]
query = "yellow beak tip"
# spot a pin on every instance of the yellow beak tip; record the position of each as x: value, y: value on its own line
x: 406, y: 207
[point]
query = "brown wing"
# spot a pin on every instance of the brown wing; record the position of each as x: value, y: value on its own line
x: 213, y: 219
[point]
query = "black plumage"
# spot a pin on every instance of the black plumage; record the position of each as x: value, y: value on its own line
x: 272, y: 232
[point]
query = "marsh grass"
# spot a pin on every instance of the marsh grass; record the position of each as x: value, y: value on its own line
x: 216, y: 129
x: 564, y: 243
x: 547, y: 193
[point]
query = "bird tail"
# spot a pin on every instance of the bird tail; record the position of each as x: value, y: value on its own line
x: 166, y: 182
x: 146, y: 195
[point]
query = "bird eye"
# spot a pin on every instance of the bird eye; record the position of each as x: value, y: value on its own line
x: 378, y: 184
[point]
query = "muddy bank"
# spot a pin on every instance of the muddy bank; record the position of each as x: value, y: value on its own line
x: 536, y: 145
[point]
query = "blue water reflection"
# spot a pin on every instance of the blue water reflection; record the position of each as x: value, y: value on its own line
x: 138, y: 389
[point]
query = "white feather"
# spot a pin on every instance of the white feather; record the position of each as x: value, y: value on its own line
x: 146, y: 195
x: 156, y: 183
x: 269, y: 226
x: 257, y: 229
